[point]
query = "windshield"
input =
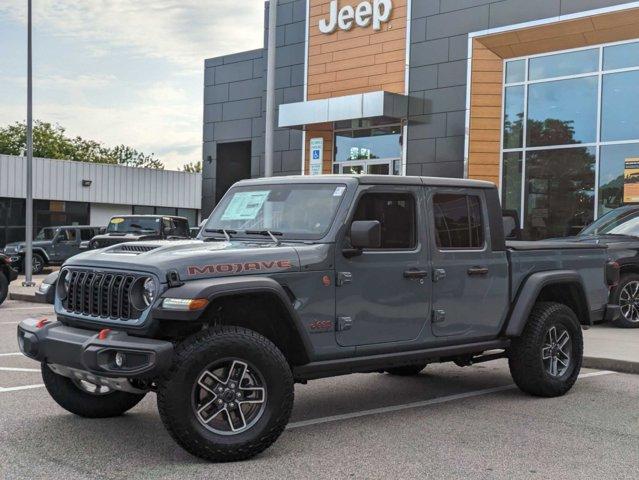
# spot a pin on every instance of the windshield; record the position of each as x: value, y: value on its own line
x: 617, y: 222
x: 297, y: 211
x: 133, y: 225
x: 47, y: 234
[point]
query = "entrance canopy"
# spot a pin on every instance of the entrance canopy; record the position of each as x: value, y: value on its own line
x: 391, y: 106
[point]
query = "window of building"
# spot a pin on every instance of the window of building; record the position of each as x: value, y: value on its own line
x: 12, y: 219
x: 396, y: 214
x: 376, y: 150
x: 458, y: 221
x: 570, y: 136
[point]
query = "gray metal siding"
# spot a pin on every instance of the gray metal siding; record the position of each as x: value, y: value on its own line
x: 438, y: 64
x: 111, y: 184
x: 235, y: 99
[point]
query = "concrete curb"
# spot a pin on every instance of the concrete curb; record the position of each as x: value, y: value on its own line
x: 621, y: 366
x: 25, y: 297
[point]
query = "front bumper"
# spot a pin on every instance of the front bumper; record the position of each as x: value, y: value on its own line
x: 80, y: 349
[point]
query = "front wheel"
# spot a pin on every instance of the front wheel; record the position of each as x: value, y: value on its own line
x: 546, y: 359
x: 228, y: 396
x: 87, y: 399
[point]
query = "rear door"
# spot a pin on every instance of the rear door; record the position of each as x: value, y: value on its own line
x: 470, y: 280
x: 381, y: 296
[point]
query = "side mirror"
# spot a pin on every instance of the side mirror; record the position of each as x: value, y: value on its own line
x: 366, y: 234
x: 512, y: 230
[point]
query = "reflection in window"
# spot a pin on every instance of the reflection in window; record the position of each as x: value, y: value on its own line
x: 620, y: 104
x: 514, y: 117
x: 564, y: 64
x: 458, y: 221
x: 560, y: 192
x: 511, y: 183
x: 621, y: 56
x: 516, y: 71
x: 611, y: 174
x: 562, y: 112
x: 396, y: 214
x: 368, y: 143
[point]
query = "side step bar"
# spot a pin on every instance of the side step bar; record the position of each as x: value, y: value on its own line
x: 371, y: 363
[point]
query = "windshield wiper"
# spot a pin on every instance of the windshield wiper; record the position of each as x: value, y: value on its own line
x: 223, y: 231
x: 265, y: 233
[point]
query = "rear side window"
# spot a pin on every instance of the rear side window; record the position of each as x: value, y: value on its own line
x: 87, y: 234
x: 396, y: 214
x: 458, y: 221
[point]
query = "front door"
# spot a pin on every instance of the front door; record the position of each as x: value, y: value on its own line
x: 67, y: 244
x: 383, y: 295
x: 470, y: 280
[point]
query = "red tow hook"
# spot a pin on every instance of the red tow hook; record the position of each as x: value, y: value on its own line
x: 42, y: 322
x: 104, y: 333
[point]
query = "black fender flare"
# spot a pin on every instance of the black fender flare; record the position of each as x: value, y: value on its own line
x: 530, y: 290
x: 216, y: 288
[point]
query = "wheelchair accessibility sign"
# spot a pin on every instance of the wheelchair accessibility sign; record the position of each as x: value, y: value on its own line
x: 317, y: 156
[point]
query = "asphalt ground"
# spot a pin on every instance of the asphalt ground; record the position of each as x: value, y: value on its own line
x: 447, y: 423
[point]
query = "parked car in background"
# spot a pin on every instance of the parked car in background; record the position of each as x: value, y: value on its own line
x: 123, y: 229
x: 132, y: 228
x: 619, y: 231
x: 52, y: 246
x: 7, y: 275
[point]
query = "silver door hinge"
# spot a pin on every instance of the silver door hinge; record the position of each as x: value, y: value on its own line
x: 439, y: 315
x: 344, y: 323
x: 344, y: 278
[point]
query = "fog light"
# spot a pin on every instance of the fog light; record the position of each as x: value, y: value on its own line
x: 119, y: 359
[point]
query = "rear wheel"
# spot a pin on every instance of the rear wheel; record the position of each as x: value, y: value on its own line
x: 546, y: 359
x: 228, y: 396
x: 87, y: 399
x: 38, y: 264
x: 626, y: 295
x: 406, y: 370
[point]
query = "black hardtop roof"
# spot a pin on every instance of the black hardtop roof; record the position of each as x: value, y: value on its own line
x: 372, y: 180
x: 148, y: 216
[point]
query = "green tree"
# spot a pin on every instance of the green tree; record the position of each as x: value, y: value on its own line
x: 192, y: 167
x: 51, y: 141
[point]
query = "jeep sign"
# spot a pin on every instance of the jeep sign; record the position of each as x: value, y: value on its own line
x: 362, y: 15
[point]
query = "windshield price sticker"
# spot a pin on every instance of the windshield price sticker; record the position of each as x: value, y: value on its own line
x: 339, y: 191
x: 245, y: 205
x: 117, y: 221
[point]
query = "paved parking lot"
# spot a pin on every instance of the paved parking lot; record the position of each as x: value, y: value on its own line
x: 446, y: 423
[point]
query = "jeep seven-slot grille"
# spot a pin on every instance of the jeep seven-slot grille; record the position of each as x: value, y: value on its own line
x: 98, y: 294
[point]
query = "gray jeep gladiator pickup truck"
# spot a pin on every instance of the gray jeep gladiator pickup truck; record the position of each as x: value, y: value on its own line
x: 299, y: 278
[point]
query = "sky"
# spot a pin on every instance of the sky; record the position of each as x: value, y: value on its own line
x: 122, y: 71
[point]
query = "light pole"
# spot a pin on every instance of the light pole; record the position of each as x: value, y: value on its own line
x: 28, y: 254
x: 270, y: 89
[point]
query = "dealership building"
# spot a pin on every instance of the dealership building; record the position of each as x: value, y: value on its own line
x: 79, y: 193
x: 538, y: 96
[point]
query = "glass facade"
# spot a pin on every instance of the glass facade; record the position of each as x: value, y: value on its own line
x: 376, y: 150
x: 570, y: 136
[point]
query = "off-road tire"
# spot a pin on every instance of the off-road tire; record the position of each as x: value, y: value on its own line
x: 622, y: 321
x: 525, y: 353
x: 39, y: 261
x: 192, y: 356
x: 66, y: 394
x: 406, y: 370
x: 4, y: 287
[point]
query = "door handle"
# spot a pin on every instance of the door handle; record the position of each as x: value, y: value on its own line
x: 477, y: 271
x: 415, y: 274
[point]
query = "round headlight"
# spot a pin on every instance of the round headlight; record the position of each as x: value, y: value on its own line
x: 148, y: 291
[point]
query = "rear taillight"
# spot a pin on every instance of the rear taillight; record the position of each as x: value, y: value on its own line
x: 612, y: 273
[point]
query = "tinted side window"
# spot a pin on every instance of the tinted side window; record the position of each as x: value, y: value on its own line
x: 86, y: 234
x: 68, y: 235
x: 182, y: 228
x: 458, y: 221
x: 396, y: 214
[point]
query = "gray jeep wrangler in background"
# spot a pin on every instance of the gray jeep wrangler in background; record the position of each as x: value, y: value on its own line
x: 299, y: 278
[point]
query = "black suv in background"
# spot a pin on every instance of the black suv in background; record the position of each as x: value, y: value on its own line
x: 132, y: 228
x: 619, y: 231
x: 7, y: 275
x: 52, y: 246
